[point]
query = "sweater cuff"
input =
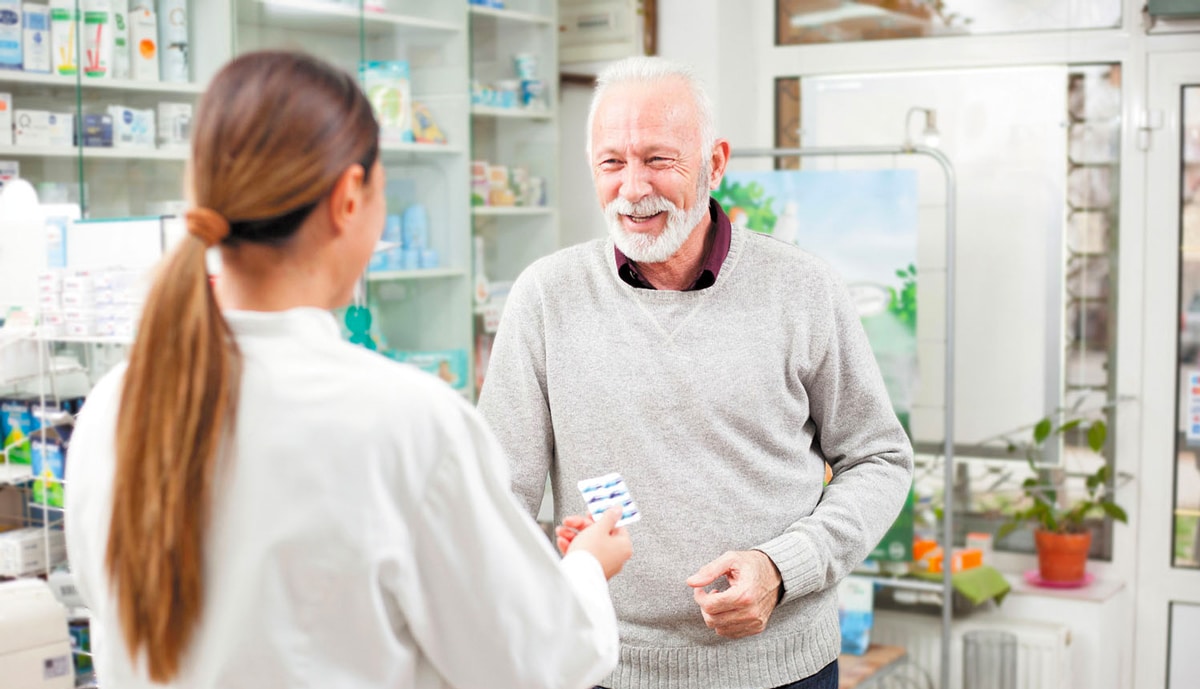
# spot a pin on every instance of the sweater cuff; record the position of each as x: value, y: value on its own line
x: 798, y: 565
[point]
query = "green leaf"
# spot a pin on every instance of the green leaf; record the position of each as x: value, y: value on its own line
x: 1097, y: 435
x: 1012, y: 448
x: 1070, y: 425
x: 1041, y: 431
x: 1005, y: 530
x: 1029, y: 482
x: 1114, y: 511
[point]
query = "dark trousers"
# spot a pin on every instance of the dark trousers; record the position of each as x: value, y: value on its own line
x: 827, y: 678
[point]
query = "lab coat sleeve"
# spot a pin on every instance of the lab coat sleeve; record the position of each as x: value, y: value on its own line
x: 493, y: 606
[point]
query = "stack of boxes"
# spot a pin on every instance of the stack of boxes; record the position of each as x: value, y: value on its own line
x: 89, y: 303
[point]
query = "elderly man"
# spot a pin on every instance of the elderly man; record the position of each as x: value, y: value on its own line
x: 716, y: 370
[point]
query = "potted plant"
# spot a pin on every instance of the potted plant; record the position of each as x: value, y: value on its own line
x: 1061, y: 532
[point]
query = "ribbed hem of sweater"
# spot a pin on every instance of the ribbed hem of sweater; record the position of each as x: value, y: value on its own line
x: 800, y: 568
x: 773, y: 662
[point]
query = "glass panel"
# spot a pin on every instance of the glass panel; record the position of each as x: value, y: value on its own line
x: 833, y: 21
x: 1187, y: 467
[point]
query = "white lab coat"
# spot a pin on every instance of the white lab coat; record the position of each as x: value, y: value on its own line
x: 363, y: 535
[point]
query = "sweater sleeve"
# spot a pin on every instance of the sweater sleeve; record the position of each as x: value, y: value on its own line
x: 492, y: 605
x: 514, y: 399
x: 865, y: 445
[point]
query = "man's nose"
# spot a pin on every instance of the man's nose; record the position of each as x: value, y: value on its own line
x: 635, y: 182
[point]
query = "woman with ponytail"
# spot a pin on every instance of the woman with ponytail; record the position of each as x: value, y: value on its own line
x: 253, y: 502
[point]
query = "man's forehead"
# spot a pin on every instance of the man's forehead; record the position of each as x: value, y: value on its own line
x: 645, y: 113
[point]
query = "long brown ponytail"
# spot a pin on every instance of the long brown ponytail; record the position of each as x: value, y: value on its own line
x: 273, y: 133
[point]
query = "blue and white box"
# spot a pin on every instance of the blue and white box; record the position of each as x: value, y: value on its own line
x: 132, y: 128
x: 36, y: 38
x: 10, y: 34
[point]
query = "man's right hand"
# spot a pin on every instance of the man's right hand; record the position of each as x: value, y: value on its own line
x: 611, y: 546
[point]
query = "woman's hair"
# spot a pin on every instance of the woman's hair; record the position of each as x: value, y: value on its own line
x: 273, y: 133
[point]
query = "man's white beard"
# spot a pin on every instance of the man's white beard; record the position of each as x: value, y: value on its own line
x: 648, y: 248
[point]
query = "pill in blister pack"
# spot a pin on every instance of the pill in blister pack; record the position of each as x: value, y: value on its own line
x: 607, y: 491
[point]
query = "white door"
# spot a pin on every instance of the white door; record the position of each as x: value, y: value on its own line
x: 1168, y: 587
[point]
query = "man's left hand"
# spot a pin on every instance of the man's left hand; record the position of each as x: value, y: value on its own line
x: 744, y: 608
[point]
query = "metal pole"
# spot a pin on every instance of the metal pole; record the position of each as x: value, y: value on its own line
x: 951, y: 211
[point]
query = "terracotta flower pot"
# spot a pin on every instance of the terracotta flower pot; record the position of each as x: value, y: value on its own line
x: 1062, y: 556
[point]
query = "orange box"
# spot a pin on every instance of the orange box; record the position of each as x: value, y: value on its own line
x: 967, y: 558
x: 922, y: 547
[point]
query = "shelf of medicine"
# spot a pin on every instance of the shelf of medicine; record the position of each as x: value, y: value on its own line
x: 514, y: 211
x: 425, y: 274
x: 326, y: 17
x: 90, y: 153
x: 87, y: 339
x: 409, y: 148
x: 511, y: 113
x: 511, y: 15
x: 70, y: 82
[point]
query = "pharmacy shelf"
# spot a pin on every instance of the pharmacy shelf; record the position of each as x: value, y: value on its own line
x: 327, y: 17
x: 427, y: 274
x: 418, y: 148
x: 901, y: 583
x: 511, y: 113
x: 511, y: 15
x: 510, y: 211
x: 90, y: 153
x: 87, y: 339
x: 125, y: 85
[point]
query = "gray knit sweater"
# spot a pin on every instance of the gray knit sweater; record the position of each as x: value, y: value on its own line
x: 717, y: 406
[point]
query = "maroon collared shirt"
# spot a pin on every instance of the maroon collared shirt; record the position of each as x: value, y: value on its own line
x: 723, y: 232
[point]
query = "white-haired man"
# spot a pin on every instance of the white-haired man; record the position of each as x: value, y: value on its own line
x: 717, y: 370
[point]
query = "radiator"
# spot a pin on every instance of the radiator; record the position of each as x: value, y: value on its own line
x: 1043, y: 648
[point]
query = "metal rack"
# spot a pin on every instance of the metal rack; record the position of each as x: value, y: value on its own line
x: 44, y: 515
x: 951, y: 192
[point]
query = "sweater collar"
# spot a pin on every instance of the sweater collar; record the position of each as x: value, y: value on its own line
x: 713, y: 260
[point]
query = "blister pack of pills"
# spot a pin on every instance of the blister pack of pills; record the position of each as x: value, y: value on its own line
x: 607, y: 491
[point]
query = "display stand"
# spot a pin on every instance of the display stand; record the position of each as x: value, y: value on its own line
x: 948, y: 170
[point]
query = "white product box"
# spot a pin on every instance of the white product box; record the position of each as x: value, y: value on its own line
x: 78, y: 299
x: 174, y: 124
x: 80, y: 329
x: 6, y: 119
x: 78, y: 282
x: 43, y: 128
x: 132, y: 128
x: 23, y: 551
x: 36, y: 38
x: 50, y: 280
x: 49, y: 300
x: 78, y: 315
x: 53, y: 317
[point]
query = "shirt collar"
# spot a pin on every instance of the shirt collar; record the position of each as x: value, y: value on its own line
x: 306, y: 322
x: 722, y: 235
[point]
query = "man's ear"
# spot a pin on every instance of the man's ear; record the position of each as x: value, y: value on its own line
x: 719, y: 161
x: 346, y: 199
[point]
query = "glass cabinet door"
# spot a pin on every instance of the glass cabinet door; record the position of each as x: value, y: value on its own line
x: 411, y: 59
